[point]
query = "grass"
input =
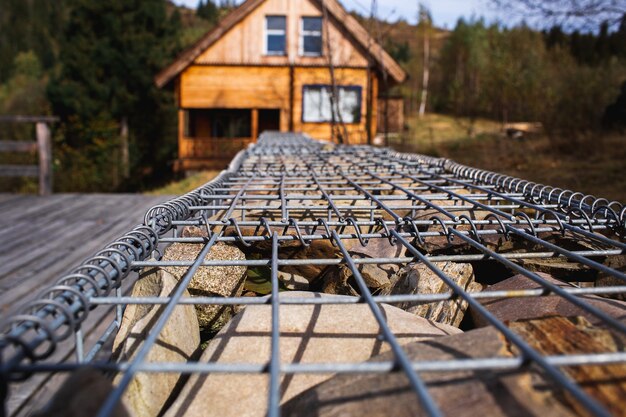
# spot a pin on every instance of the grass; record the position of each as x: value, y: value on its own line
x: 593, y: 164
x: 184, y: 186
x: 435, y: 129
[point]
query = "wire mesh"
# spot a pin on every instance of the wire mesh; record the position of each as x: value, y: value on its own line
x: 288, y: 188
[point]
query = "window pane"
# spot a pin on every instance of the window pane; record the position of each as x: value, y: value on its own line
x: 312, y: 45
x: 349, y: 105
x: 316, y: 105
x: 312, y: 24
x: 276, y: 22
x: 276, y: 44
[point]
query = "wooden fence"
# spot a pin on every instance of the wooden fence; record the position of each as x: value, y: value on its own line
x: 43, y: 146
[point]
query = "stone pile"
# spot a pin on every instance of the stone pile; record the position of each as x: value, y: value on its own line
x: 447, y: 329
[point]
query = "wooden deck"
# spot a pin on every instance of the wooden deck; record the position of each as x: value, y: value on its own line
x: 41, y: 239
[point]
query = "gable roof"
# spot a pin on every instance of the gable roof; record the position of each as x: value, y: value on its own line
x: 343, y: 18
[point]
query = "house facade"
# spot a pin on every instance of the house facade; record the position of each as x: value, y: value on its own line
x: 277, y: 65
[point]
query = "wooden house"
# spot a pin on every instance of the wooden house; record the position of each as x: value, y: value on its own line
x: 277, y: 65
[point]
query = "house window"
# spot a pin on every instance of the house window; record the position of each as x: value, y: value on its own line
x: 316, y: 104
x: 275, y: 35
x: 311, y: 36
x: 217, y: 123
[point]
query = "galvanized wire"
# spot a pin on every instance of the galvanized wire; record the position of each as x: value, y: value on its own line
x: 290, y: 188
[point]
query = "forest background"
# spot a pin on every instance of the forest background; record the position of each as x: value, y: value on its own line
x: 92, y: 64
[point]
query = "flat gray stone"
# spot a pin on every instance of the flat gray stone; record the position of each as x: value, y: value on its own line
x: 330, y: 333
x: 339, y: 279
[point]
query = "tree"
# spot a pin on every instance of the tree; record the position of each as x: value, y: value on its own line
x: 425, y: 23
x: 30, y: 25
x: 570, y: 12
x: 615, y: 114
x: 110, y: 53
x: 207, y: 10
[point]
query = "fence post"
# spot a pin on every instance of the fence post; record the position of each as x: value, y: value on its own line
x: 45, y: 158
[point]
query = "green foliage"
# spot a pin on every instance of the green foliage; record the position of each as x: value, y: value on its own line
x: 591, y: 48
x: 615, y: 114
x: 30, y: 25
x: 92, y: 167
x: 400, y: 51
x: 519, y: 74
x: 110, y: 53
x: 24, y: 91
x: 208, y: 10
x: 259, y: 280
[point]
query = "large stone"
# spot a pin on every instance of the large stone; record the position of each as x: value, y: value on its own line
x: 605, y: 280
x: 82, y: 394
x: 210, y: 281
x: 379, y: 248
x: 293, y: 249
x: 340, y: 280
x: 329, y: 333
x: 485, y: 270
x: 178, y: 341
x: 520, y: 308
x: 456, y: 393
x: 318, y: 249
x: 417, y: 278
x: 606, y: 383
x: 293, y: 281
x: 558, y: 267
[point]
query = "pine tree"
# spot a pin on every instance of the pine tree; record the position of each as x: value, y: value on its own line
x: 30, y: 25
x: 110, y: 54
x: 207, y: 10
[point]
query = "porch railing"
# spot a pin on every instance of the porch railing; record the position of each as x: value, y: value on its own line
x: 42, y: 146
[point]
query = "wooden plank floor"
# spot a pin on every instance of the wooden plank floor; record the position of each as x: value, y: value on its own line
x: 43, y: 238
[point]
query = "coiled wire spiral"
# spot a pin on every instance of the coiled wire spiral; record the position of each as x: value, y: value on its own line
x: 36, y: 329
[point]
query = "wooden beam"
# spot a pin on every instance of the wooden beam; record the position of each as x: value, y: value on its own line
x: 44, y: 146
x: 124, y: 149
x: 19, y: 170
x: 28, y: 119
x: 14, y: 146
x: 292, y: 100
x: 255, y: 124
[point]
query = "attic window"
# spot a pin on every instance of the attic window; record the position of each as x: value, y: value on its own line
x: 311, y: 36
x: 275, y: 35
x: 316, y: 104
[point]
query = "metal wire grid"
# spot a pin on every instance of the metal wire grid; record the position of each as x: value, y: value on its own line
x: 291, y: 188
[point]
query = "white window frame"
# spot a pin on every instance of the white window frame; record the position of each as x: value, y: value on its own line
x: 268, y: 32
x: 304, y: 33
